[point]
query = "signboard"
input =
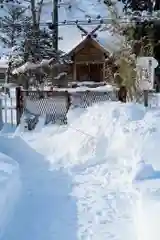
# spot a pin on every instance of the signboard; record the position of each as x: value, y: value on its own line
x: 145, y: 72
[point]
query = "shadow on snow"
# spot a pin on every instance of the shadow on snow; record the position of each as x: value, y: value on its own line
x: 46, y: 210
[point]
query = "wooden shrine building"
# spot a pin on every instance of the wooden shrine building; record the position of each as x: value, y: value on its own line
x: 88, y: 61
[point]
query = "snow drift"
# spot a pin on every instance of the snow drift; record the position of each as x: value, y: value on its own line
x: 93, y: 151
x: 100, y: 149
x: 98, y: 153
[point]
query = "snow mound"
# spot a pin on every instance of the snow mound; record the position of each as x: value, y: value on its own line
x: 9, y: 189
x: 95, y: 132
x: 99, y: 151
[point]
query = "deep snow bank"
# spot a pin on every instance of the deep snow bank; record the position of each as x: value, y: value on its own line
x: 101, y: 131
x: 9, y: 189
x: 100, y: 149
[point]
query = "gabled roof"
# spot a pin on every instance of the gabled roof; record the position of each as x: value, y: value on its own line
x: 93, y: 41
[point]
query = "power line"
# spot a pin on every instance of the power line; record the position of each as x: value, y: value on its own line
x: 103, y: 21
x: 93, y: 21
x: 89, y: 22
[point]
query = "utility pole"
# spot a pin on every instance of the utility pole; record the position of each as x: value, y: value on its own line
x: 55, y: 25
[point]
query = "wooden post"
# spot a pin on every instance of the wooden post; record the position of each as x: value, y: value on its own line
x: 145, y: 94
x: 19, y: 105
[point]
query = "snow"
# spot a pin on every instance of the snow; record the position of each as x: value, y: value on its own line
x: 9, y: 189
x: 95, y: 178
x: 147, y: 182
x: 83, y: 88
x: 105, y: 88
x: 31, y: 66
x: 101, y: 166
x: 24, y: 68
x: 42, y: 211
x: 78, y: 180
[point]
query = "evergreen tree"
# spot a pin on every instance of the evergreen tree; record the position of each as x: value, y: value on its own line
x: 37, y: 41
x: 10, y: 32
x: 141, y: 5
x: 10, y: 25
x: 146, y: 29
x: 37, y: 48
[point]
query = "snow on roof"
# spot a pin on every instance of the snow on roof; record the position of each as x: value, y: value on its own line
x: 109, y: 42
x: 105, y: 39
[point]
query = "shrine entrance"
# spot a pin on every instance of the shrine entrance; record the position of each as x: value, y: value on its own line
x: 89, y: 58
x: 89, y: 72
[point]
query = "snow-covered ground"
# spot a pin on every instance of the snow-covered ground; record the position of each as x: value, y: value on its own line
x: 10, y: 187
x: 96, y: 178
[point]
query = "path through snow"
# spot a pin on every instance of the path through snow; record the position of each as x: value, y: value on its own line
x: 46, y: 209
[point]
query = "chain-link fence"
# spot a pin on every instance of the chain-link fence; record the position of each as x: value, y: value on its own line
x: 84, y: 99
x: 54, y: 105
